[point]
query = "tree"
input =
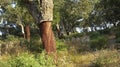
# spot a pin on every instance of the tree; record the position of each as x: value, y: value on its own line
x: 21, y: 16
x: 56, y: 22
x: 73, y: 10
x: 42, y: 12
x: 106, y: 11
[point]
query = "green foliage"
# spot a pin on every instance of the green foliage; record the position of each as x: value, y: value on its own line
x: 105, y: 11
x: 45, y: 60
x: 12, y: 38
x: 77, y: 35
x: 61, y: 46
x: 118, y: 36
x: 24, y: 60
x: 94, y: 34
x: 74, y: 35
x: 99, y: 42
x: 28, y: 60
x: 56, y: 18
x: 76, y: 9
x: 35, y: 43
x: 105, y: 31
x: 118, y: 40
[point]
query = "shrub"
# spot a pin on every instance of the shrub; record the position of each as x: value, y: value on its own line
x: 117, y: 34
x: 118, y: 40
x: 28, y: 60
x: 11, y: 38
x: 24, y: 60
x: 94, y: 34
x: 45, y: 60
x: 77, y: 35
x: 98, y: 42
x: 35, y: 43
x: 74, y: 35
x: 60, y: 45
x: 105, y: 31
x: 118, y: 37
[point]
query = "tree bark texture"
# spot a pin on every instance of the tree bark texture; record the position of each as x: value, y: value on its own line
x: 27, y: 32
x: 44, y: 16
x: 47, y: 37
x: 46, y: 10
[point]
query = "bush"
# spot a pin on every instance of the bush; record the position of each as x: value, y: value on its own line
x: 24, y: 60
x: 28, y: 60
x: 77, y: 35
x: 98, y: 42
x: 60, y: 45
x: 74, y: 35
x: 105, y: 31
x: 118, y: 40
x: 117, y: 34
x: 118, y: 37
x: 45, y: 60
x: 11, y: 38
x: 94, y: 34
x: 35, y: 44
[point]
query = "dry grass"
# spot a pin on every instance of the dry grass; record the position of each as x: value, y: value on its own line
x: 77, y: 54
x: 101, y: 58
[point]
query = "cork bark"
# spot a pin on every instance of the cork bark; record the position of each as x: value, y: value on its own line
x: 44, y: 17
x: 46, y: 10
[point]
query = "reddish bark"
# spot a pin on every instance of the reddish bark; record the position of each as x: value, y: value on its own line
x: 47, y: 37
x: 27, y: 32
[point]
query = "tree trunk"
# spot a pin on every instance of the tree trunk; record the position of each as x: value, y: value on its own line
x: 47, y: 37
x: 58, y: 31
x: 27, y: 32
x: 22, y: 30
x: 43, y: 16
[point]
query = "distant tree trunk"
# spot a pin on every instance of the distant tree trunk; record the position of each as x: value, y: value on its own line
x: 27, y: 32
x: 58, y: 31
x: 114, y: 24
x: 47, y: 37
x: 0, y: 51
x: 65, y: 27
x: 22, y: 30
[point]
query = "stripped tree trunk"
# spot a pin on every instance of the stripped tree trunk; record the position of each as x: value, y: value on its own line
x: 44, y: 17
x: 27, y: 32
x: 47, y: 37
